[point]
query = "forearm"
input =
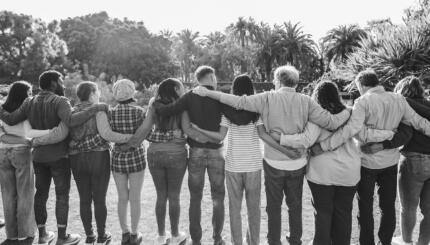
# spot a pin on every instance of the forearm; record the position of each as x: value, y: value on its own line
x: 55, y: 135
x: 212, y: 134
x: 401, y: 137
x: 106, y: 131
x: 12, y: 139
x: 367, y: 135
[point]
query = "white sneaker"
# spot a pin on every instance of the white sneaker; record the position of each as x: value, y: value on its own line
x: 398, y: 240
x: 176, y: 240
x: 161, y: 240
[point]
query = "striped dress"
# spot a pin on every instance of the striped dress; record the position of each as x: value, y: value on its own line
x: 243, y: 147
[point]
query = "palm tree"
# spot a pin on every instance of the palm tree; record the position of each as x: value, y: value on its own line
x: 186, y: 50
x: 297, y: 45
x: 269, y: 48
x: 341, y: 41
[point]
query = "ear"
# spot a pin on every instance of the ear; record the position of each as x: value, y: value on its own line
x: 53, y: 86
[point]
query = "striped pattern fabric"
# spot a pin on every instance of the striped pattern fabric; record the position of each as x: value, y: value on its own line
x: 243, y: 147
x: 126, y: 119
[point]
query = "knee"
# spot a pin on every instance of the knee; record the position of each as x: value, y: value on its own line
x: 218, y: 191
x: 173, y: 197
x: 161, y: 198
x: 123, y: 197
x: 134, y: 198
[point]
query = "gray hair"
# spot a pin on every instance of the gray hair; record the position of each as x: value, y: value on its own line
x: 287, y: 75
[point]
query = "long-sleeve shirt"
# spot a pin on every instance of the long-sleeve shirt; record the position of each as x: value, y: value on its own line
x: 340, y: 167
x: 45, y: 111
x: 287, y: 112
x: 205, y: 113
x: 411, y: 139
x: 380, y: 110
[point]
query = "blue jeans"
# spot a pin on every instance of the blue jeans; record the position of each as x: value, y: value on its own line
x: 17, y: 188
x: 212, y: 160
x: 280, y: 182
x: 414, y: 190
x: 386, y: 180
x: 167, y: 170
x: 237, y: 184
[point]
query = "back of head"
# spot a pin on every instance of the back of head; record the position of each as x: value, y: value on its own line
x: 123, y: 90
x: 18, y: 92
x: 84, y: 90
x: 242, y: 85
x: 287, y: 76
x: 47, y: 77
x: 410, y: 87
x: 167, y: 94
x: 367, y: 78
x: 202, y: 72
x: 326, y: 94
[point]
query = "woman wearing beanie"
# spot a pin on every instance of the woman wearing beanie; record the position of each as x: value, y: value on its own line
x: 127, y: 166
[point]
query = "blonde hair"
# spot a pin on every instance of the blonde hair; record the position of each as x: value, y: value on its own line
x: 410, y: 87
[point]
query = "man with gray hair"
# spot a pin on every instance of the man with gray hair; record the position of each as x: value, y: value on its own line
x: 284, y: 111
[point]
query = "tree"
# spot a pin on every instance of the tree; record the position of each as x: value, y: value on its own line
x: 269, y: 49
x: 186, y: 50
x: 27, y: 47
x: 341, y: 41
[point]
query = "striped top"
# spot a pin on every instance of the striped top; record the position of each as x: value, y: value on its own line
x: 243, y: 147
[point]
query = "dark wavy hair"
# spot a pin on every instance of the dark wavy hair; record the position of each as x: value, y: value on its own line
x: 166, y: 94
x: 327, y: 95
x: 18, y: 92
x: 242, y: 85
x: 410, y: 87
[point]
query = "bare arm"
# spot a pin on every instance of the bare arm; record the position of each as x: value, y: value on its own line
x: 54, y: 136
x: 193, y: 133
x: 220, y: 135
x: 291, y: 153
x: 106, y: 132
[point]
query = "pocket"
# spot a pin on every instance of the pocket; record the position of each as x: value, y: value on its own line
x: 21, y: 157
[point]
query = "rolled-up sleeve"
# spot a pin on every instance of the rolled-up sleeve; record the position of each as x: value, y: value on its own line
x: 352, y: 127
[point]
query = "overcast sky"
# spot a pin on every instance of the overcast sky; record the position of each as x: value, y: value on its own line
x: 317, y: 16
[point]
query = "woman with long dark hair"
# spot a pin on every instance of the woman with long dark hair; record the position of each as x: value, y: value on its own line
x: 16, y: 168
x: 332, y: 176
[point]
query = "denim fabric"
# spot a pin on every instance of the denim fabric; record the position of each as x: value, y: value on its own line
x: 167, y: 170
x: 17, y: 188
x: 212, y: 160
x: 278, y: 183
x: 45, y: 172
x: 333, y: 213
x: 250, y: 183
x: 386, y: 179
x: 414, y: 190
x: 91, y: 171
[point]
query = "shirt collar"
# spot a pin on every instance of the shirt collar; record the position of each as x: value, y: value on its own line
x: 287, y: 90
x: 375, y: 90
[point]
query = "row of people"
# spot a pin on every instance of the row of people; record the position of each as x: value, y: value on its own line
x: 281, y: 117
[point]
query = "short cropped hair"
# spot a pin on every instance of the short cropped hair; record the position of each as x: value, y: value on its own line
x: 47, y: 77
x: 287, y: 75
x: 202, y: 71
x: 368, y: 78
x: 84, y: 90
x: 410, y: 87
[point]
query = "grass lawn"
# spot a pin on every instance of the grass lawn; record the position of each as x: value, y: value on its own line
x: 148, y: 225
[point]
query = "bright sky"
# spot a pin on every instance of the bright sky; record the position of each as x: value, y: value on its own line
x: 317, y: 16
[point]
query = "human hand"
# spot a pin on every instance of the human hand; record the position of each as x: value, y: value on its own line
x: 102, y: 107
x: 316, y: 150
x: 275, y: 135
x: 201, y: 91
x: 194, y: 126
x: 372, y: 148
x: 292, y: 153
x: 177, y: 133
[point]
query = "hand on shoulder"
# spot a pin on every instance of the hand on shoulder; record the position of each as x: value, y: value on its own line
x: 201, y: 91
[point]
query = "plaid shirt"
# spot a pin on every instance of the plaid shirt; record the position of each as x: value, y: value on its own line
x: 157, y: 136
x: 89, y: 143
x: 126, y: 119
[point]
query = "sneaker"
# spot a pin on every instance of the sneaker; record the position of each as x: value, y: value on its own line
x: 398, y: 240
x: 47, y: 238
x: 104, y: 239
x: 125, y: 238
x: 161, y: 240
x: 135, y: 239
x: 90, y: 239
x: 180, y: 238
x: 70, y: 239
x: 2, y: 223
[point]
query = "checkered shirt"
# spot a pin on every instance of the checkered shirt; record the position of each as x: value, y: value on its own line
x: 89, y: 143
x: 126, y: 119
x: 157, y: 136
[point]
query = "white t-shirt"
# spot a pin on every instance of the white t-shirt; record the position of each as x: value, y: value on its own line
x: 243, y: 147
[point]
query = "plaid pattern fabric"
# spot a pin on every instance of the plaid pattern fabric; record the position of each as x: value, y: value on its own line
x: 157, y: 136
x: 89, y: 143
x: 126, y: 119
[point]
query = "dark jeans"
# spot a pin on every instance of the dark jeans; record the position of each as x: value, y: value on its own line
x: 167, y: 170
x: 414, y: 190
x: 277, y: 183
x: 91, y: 171
x: 333, y: 213
x: 59, y: 171
x: 212, y: 160
x: 17, y: 188
x: 386, y: 179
